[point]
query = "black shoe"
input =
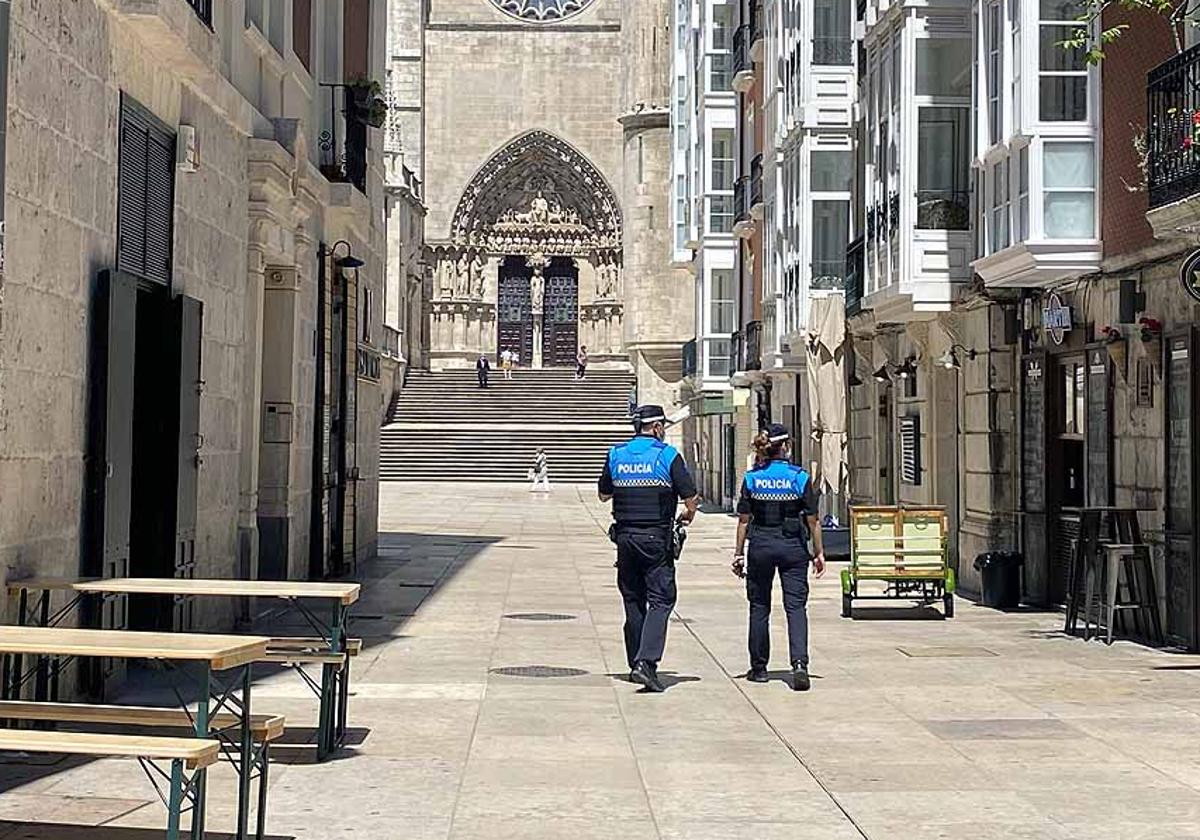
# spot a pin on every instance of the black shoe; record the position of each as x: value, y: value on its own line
x: 758, y: 675
x: 800, y: 679
x: 647, y: 675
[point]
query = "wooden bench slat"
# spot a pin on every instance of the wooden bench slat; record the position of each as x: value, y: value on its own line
x: 264, y: 727
x: 196, y: 752
x: 298, y: 657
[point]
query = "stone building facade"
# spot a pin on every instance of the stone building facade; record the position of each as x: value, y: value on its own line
x: 185, y: 372
x: 546, y: 155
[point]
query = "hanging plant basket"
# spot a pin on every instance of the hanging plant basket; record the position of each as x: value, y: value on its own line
x: 366, y: 103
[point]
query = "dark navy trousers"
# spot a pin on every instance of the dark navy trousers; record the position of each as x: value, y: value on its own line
x: 646, y: 580
x: 789, y: 558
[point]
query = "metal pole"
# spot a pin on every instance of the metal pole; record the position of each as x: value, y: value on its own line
x: 247, y: 762
x: 200, y: 780
x: 316, y: 528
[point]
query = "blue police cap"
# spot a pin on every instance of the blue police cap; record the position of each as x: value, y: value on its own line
x: 777, y: 432
x: 647, y: 414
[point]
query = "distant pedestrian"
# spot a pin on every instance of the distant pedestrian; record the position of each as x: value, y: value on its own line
x: 778, y: 509
x: 581, y: 361
x: 482, y: 368
x: 540, y: 473
x: 632, y: 400
x: 506, y: 362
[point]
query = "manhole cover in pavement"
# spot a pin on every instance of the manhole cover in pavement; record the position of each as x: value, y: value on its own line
x: 945, y: 652
x: 538, y: 671
x: 538, y: 616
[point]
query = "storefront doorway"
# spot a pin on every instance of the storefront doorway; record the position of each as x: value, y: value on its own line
x: 1182, y: 580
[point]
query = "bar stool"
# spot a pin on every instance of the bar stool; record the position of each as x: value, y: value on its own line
x: 1120, y: 578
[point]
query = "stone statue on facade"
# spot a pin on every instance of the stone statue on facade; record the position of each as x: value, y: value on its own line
x: 445, y: 277
x: 539, y: 210
x: 462, y: 276
x: 478, y: 267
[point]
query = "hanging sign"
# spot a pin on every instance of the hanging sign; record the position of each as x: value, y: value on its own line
x: 1056, y: 318
x: 1189, y: 274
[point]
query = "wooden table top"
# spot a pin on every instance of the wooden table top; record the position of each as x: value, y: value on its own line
x: 345, y: 593
x: 220, y: 652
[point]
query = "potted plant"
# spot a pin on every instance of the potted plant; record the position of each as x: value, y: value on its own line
x: 366, y: 103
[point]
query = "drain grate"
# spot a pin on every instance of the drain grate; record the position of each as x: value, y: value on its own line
x: 538, y: 671
x: 540, y: 616
x: 945, y: 652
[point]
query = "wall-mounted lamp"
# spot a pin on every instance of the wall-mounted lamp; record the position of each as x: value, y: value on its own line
x: 854, y: 381
x: 882, y: 375
x: 908, y: 369
x: 348, y: 261
x: 950, y: 361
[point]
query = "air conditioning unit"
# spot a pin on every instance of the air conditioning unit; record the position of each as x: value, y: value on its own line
x: 187, y: 155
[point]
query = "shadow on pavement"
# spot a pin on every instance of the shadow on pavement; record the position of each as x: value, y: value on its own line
x: 916, y: 611
x: 63, y: 831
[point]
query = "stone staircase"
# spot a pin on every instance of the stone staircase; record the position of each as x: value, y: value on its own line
x: 446, y: 428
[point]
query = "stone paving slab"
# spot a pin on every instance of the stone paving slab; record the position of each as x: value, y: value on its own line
x: 990, y: 725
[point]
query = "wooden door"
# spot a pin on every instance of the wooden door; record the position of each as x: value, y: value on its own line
x: 514, y: 315
x: 560, y: 321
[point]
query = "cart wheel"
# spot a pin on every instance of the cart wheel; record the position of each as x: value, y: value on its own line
x: 948, y: 605
x: 846, y: 609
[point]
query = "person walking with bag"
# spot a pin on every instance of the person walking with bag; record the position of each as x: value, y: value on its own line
x: 540, y: 472
x: 778, y: 511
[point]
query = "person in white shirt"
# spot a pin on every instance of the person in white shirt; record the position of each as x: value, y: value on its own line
x: 506, y: 362
x: 540, y: 473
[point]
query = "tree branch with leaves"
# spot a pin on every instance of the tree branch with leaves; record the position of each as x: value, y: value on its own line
x: 1093, y: 37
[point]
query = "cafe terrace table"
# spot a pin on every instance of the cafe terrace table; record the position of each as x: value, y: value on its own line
x: 199, y: 656
x: 335, y: 598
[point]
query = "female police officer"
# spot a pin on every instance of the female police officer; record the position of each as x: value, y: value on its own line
x: 778, y: 507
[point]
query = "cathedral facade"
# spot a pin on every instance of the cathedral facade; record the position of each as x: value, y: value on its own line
x: 546, y: 162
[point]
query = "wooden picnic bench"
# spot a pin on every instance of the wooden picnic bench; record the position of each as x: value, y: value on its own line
x: 333, y: 688
x: 194, y: 754
x: 198, y: 658
x: 903, y: 547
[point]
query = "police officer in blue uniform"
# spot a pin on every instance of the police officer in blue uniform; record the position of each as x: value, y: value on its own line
x: 646, y: 479
x: 778, y: 509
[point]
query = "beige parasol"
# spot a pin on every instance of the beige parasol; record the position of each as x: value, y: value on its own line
x: 827, y: 389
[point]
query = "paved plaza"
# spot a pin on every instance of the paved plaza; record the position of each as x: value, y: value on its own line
x: 987, y: 725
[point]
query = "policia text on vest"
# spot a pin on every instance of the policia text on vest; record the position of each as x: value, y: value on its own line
x: 646, y: 479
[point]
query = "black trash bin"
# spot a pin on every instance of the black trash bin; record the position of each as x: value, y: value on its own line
x: 1001, y: 574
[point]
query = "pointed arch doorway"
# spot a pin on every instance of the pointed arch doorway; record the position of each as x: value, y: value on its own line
x: 538, y: 310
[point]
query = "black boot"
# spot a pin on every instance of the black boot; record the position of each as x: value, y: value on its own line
x: 647, y: 674
x: 800, y: 679
x: 758, y: 675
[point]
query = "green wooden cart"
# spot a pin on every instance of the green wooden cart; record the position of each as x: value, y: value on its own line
x: 903, y: 547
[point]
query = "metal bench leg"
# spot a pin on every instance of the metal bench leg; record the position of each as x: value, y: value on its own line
x: 175, y: 803
x: 263, y: 780
x: 343, y: 702
x: 1112, y: 574
x: 325, y: 718
x: 1089, y: 596
x: 247, y: 760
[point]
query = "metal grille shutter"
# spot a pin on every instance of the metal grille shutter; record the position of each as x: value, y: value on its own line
x: 910, y: 449
x: 145, y: 194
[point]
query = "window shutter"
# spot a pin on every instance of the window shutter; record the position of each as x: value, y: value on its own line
x: 910, y: 450
x: 145, y: 194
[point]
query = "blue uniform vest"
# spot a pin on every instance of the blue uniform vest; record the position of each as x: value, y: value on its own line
x: 776, y: 492
x: 643, y: 493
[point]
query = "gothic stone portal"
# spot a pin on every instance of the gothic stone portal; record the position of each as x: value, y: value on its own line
x: 539, y: 218
x: 538, y: 310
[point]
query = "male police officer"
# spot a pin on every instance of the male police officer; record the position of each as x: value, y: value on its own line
x: 645, y: 478
x: 778, y: 508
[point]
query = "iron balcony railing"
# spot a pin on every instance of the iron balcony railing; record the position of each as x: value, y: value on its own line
x: 827, y: 274
x: 690, y: 358
x: 1173, y: 129
x: 752, y: 346
x: 853, y: 279
x: 741, y: 199
x: 833, y: 52
x: 203, y: 10
x: 741, y: 50
x: 756, y: 181
x: 943, y: 210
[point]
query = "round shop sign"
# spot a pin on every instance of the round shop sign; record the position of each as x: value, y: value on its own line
x: 1189, y: 274
x: 1056, y: 318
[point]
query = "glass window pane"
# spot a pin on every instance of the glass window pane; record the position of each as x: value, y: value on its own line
x: 1023, y: 219
x: 720, y: 216
x: 832, y: 171
x: 944, y: 67
x: 1023, y: 158
x: 831, y: 32
x: 943, y: 168
x: 1063, y: 98
x: 831, y: 233
x: 722, y: 34
x: 1070, y: 215
x: 1068, y: 165
x: 1053, y: 55
x: 1060, y: 9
